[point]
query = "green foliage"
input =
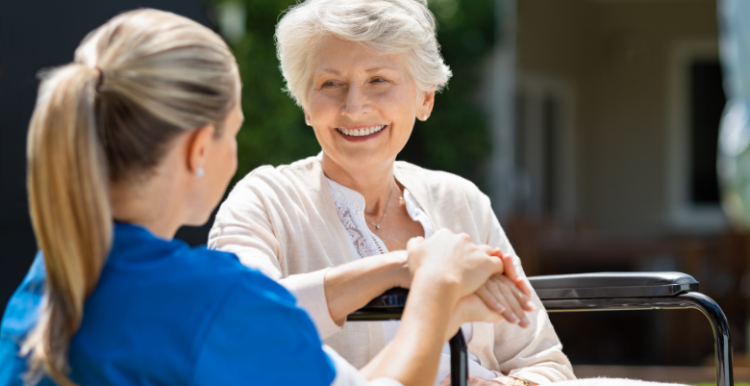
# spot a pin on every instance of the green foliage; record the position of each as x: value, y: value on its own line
x: 455, y: 138
x: 274, y: 131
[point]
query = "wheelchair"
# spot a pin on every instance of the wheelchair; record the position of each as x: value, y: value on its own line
x: 607, y: 291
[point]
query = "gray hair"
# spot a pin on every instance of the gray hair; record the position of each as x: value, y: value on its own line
x: 387, y: 26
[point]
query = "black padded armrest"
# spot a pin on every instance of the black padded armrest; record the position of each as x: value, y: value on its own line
x: 612, y: 285
x: 387, y: 306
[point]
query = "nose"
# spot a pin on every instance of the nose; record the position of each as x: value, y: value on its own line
x: 357, y: 104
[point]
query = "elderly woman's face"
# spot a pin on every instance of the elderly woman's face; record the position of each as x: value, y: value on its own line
x: 362, y: 105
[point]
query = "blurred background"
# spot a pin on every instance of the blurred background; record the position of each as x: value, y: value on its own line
x: 592, y: 124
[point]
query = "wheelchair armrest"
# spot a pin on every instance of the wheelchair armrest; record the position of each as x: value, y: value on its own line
x: 388, y: 306
x: 605, y: 285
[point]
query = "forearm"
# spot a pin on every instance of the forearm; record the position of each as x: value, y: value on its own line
x: 350, y: 286
x: 413, y: 356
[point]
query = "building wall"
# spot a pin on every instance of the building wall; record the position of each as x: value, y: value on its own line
x: 614, y: 54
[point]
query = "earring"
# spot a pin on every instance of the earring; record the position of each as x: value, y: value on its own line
x: 424, y: 117
x: 200, y: 172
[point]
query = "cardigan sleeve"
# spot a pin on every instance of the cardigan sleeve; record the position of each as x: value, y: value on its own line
x: 243, y: 227
x: 534, y: 353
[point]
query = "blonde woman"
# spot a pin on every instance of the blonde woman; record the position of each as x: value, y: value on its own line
x: 132, y: 140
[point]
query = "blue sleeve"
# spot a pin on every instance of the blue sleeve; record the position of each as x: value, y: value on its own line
x: 261, y: 337
x: 20, y: 317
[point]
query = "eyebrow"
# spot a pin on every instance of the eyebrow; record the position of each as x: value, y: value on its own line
x: 376, y: 69
x: 332, y: 71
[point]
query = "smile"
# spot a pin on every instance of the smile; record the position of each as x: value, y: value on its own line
x: 361, y: 132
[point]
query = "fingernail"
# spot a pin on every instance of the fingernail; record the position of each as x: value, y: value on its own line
x: 530, y: 305
x: 512, y: 318
x: 525, y: 321
x: 499, y: 307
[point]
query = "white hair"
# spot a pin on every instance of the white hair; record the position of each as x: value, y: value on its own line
x: 387, y: 26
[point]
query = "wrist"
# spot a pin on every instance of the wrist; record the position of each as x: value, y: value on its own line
x: 398, y: 270
x: 446, y: 288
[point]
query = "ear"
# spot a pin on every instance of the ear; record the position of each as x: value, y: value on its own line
x: 198, y: 148
x: 425, y: 103
x: 307, y: 118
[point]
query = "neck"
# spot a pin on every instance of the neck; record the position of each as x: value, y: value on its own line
x: 375, y: 184
x: 152, y: 204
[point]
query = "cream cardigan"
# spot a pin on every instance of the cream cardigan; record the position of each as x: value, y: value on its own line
x: 283, y: 221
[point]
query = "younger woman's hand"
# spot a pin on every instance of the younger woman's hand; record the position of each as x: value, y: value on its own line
x: 471, y: 309
x: 453, y: 258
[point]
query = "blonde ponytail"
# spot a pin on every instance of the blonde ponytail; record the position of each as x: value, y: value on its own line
x: 67, y: 184
x: 137, y: 82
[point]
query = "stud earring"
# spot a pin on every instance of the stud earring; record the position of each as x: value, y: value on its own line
x: 424, y: 117
x: 200, y: 172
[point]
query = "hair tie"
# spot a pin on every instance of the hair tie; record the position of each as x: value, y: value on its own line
x: 100, y: 82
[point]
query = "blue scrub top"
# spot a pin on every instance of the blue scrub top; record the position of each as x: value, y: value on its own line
x: 166, y: 314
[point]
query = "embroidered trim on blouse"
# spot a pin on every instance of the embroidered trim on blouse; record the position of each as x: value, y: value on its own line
x: 350, y: 206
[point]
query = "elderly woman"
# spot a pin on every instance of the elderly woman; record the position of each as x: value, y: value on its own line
x: 363, y: 71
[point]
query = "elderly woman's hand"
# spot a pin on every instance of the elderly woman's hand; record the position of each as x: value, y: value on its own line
x: 501, y: 295
x: 508, y: 294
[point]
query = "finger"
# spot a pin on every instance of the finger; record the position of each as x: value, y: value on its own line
x: 493, y: 287
x: 523, y: 285
x: 523, y: 299
x: 490, y: 300
x: 512, y: 273
x: 513, y: 304
x: 510, y: 268
x: 444, y: 231
x: 496, y: 266
x: 414, y: 242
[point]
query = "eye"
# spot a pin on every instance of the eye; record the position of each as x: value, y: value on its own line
x: 329, y: 83
x: 378, y: 80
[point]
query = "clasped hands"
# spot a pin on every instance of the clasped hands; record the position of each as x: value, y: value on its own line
x: 490, y: 287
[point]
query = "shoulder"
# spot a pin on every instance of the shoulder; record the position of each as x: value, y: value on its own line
x: 258, y: 331
x: 277, y: 176
x: 225, y: 267
x: 252, y: 283
x: 267, y: 184
x: 22, y: 309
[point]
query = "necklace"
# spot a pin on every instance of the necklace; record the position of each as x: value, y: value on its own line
x: 388, y: 201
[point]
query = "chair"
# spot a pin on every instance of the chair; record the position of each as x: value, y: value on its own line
x: 609, y: 291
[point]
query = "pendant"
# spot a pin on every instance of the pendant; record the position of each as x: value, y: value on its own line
x: 377, y: 227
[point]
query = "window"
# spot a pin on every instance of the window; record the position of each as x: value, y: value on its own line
x: 544, y: 148
x: 696, y: 102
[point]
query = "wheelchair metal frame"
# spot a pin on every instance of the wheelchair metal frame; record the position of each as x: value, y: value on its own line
x: 667, y: 290
x: 685, y: 300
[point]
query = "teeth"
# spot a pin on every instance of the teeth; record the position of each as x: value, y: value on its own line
x: 361, y: 132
